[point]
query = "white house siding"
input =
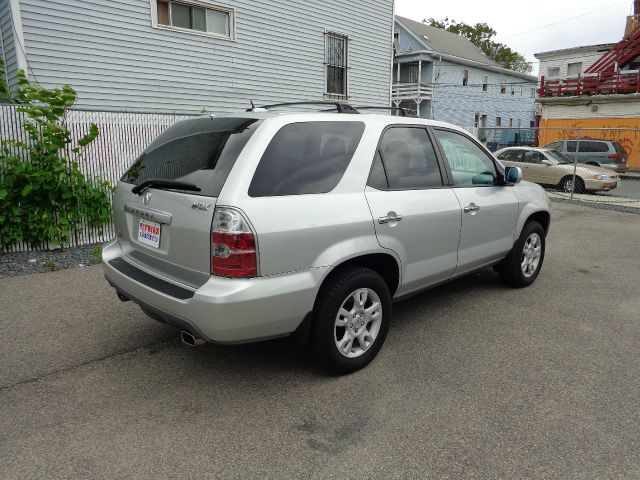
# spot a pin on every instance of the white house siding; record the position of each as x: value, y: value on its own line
x: 592, y: 107
x: 457, y: 104
x: 110, y: 53
x: 562, y: 60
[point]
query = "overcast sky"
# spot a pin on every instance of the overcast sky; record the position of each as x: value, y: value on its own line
x: 519, y: 23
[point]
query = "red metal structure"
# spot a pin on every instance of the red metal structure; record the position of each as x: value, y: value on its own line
x: 604, y: 76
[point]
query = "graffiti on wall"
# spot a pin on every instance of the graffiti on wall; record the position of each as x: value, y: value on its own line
x: 625, y: 131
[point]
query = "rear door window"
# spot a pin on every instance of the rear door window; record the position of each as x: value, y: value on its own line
x: 201, y: 151
x: 409, y: 159
x: 511, y: 155
x: 304, y: 158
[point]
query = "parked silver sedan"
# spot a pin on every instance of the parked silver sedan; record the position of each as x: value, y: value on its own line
x: 546, y: 166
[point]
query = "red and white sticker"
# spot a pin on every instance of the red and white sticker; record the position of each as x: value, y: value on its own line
x: 149, y: 233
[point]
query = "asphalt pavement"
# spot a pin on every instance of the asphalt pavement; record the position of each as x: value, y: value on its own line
x: 476, y: 380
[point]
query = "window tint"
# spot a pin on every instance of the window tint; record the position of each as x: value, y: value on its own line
x: 593, y: 147
x: 510, y: 155
x: 308, y: 157
x: 531, y: 156
x: 409, y: 158
x: 571, y: 146
x: 378, y: 177
x: 201, y: 151
x: 469, y: 164
x: 556, y: 146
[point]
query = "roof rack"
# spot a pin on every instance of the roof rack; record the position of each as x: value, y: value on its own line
x: 340, y: 107
x: 403, y: 111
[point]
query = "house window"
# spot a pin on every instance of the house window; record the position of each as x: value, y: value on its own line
x: 553, y: 72
x: 197, y: 16
x: 476, y: 120
x: 335, y: 59
x: 574, y: 69
x: 532, y: 124
x: 513, y: 89
x: 498, y: 121
x: 465, y: 78
x: 511, y: 123
x: 533, y: 93
x: 503, y: 87
x: 485, y: 83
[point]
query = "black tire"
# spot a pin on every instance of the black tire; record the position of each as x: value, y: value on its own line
x: 331, y: 297
x: 565, y: 184
x: 511, y: 267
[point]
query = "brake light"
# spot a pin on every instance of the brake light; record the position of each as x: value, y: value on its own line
x: 615, y: 156
x: 233, y: 245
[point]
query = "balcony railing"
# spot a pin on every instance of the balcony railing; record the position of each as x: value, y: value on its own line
x: 411, y: 91
x: 591, y: 84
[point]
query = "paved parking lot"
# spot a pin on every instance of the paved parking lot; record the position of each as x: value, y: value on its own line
x: 475, y: 381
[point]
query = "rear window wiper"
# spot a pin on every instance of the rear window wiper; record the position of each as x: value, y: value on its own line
x: 162, y: 183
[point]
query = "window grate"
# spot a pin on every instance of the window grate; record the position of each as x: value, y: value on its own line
x: 336, y: 63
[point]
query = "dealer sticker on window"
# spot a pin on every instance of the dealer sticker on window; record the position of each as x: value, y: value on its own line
x: 149, y: 233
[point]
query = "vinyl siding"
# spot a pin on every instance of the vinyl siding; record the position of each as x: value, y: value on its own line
x: 562, y: 61
x: 8, y: 41
x: 110, y: 53
x: 624, y: 108
x: 457, y: 104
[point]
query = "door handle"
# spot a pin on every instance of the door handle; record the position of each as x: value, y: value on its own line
x: 472, y: 208
x: 390, y: 217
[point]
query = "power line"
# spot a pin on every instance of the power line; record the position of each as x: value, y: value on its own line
x: 565, y: 20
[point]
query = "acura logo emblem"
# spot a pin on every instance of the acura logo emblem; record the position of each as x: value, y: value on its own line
x: 146, y: 197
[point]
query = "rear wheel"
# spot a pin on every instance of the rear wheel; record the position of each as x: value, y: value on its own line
x: 351, y: 319
x: 566, y: 184
x: 523, y: 264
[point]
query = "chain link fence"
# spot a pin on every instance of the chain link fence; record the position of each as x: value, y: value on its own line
x: 123, y: 135
x: 589, y: 164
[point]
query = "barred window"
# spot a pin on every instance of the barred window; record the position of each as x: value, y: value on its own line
x: 336, y: 59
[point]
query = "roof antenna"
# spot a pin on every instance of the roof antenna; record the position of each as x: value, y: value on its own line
x: 254, y: 108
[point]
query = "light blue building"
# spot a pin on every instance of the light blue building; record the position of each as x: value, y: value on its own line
x: 186, y: 55
x: 443, y: 76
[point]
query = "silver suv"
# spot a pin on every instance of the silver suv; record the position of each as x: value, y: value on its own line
x: 253, y: 226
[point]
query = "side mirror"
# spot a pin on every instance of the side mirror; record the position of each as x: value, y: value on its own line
x: 512, y: 175
x: 546, y: 162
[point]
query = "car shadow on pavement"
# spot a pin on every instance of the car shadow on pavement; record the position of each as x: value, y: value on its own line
x: 290, y: 355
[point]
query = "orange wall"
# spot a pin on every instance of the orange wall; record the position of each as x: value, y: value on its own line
x: 567, y: 129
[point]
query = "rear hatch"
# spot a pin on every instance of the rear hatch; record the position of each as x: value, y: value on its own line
x: 164, y: 225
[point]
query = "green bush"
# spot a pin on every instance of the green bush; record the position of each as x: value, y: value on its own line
x: 44, y: 196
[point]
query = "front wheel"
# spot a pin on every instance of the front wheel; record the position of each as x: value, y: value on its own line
x: 523, y: 264
x: 566, y: 185
x: 351, y: 319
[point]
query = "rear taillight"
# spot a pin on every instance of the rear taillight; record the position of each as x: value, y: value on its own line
x: 615, y: 156
x: 233, y: 245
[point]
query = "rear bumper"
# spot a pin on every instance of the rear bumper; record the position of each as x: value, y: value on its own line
x: 223, y: 310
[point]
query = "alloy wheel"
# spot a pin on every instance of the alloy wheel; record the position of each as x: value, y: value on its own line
x: 357, y: 323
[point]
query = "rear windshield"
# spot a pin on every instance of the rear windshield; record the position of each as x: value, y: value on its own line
x: 305, y: 158
x: 201, y: 151
x: 560, y: 158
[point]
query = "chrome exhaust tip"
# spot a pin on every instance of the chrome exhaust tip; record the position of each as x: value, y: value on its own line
x: 191, y: 340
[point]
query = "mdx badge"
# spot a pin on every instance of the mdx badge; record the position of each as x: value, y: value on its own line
x: 201, y: 206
